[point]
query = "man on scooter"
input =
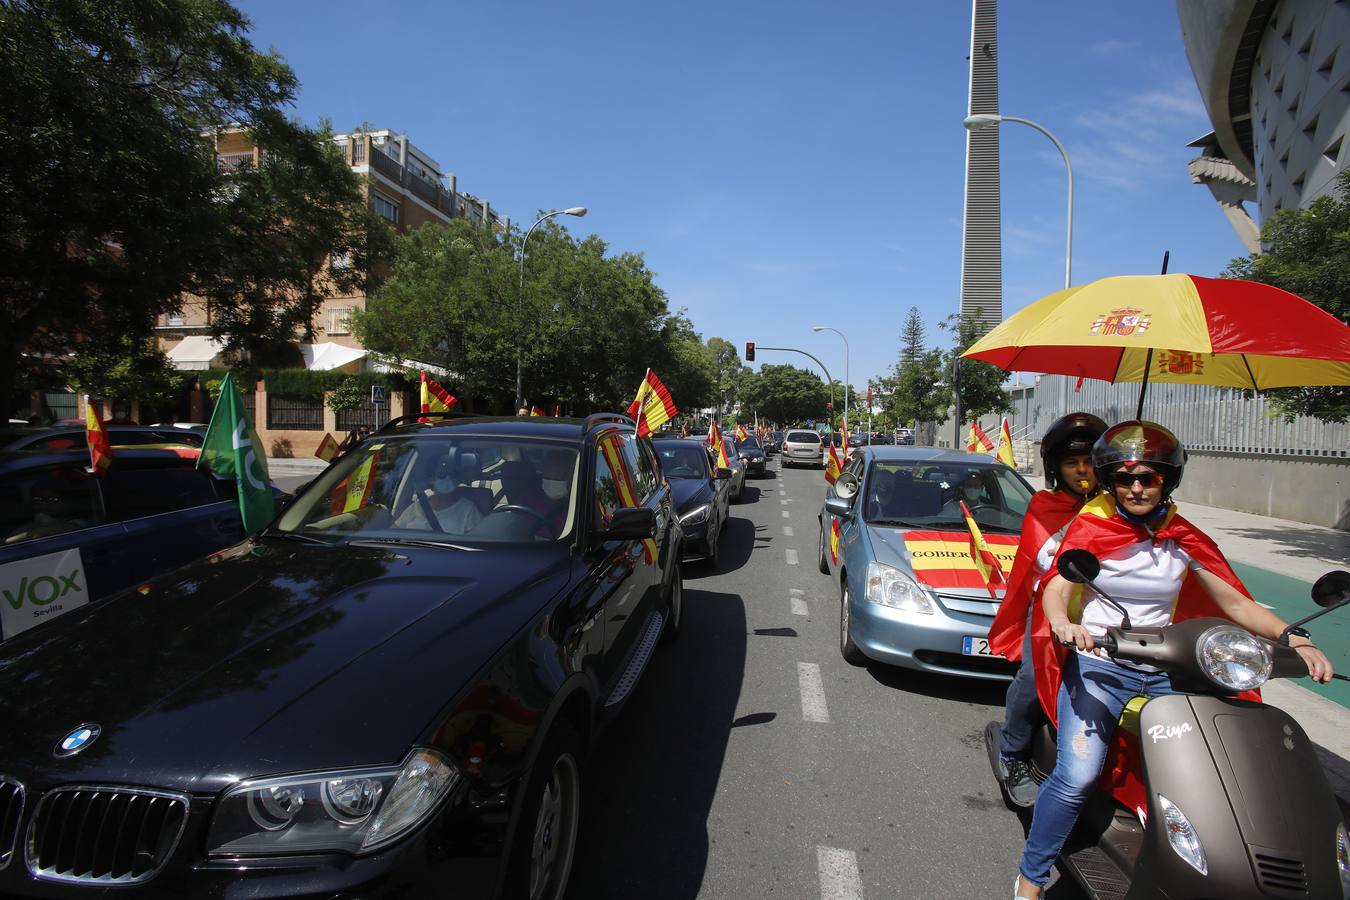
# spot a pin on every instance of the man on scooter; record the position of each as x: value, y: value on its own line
x: 1161, y: 568
x: 1069, y: 480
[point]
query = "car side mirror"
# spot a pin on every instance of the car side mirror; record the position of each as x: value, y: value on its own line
x: 630, y: 523
x: 1078, y: 566
x: 722, y: 474
x: 838, y: 506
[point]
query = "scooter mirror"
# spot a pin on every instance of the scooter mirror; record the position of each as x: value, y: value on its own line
x: 1331, y: 589
x: 1078, y: 566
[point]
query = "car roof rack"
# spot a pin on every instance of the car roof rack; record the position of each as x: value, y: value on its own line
x: 595, y: 419
x: 413, y: 417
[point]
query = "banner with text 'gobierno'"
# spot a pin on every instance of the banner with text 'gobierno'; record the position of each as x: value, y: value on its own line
x: 231, y: 449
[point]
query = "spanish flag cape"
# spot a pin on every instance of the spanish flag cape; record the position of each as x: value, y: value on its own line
x: 1099, y: 530
x: 1048, y: 513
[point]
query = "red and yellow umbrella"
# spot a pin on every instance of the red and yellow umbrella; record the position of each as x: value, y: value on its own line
x: 1175, y: 329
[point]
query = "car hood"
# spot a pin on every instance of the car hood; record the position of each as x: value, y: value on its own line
x: 940, y: 558
x: 689, y: 492
x: 269, y: 657
x: 753, y: 454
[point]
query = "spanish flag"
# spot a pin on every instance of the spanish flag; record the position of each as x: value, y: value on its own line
x: 536, y: 411
x: 978, y: 441
x: 328, y: 448
x: 435, y: 398
x: 100, y: 448
x: 652, y: 407
x: 623, y: 486
x: 741, y: 433
x: 718, y: 446
x: 982, y: 556
x: 832, y: 465
x: 1004, y: 452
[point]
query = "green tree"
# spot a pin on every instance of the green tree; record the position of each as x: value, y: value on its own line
x: 1307, y: 252
x: 729, y: 371
x: 124, y: 366
x: 981, y: 384
x: 920, y: 389
x: 110, y: 192
x: 786, y: 394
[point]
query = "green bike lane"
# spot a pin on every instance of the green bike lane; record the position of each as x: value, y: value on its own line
x: 1291, y: 600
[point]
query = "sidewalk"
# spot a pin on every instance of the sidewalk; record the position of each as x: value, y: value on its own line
x: 278, y: 465
x: 1279, y: 560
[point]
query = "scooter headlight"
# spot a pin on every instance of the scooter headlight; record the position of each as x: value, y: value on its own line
x: 1233, y: 659
x: 1182, y: 836
x: 1343, y: 858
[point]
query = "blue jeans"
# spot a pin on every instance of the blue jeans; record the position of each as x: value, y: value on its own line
x: 1022, y: 710
x: 1091, y: 698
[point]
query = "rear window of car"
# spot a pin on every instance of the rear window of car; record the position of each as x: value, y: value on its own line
x: 135, y: 493
x: 803, y: 437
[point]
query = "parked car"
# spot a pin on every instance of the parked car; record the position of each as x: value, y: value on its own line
x: 801, y: 446
x: 91, y: 536
x: 894, y: 540
x: 388, y: 692
x: 753, y: 456
x: 883, y: 438
x: 72, y: 437
x: 904, y: 437
x: 859, y: 439
x: 701, y: 495
x: 737, y: 469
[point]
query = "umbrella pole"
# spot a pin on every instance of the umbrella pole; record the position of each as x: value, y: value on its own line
x: 1148, y: 357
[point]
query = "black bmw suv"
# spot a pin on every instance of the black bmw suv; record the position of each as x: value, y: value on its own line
x: 387, y: 692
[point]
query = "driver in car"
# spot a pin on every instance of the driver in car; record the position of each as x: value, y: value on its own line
x: 522, y: 486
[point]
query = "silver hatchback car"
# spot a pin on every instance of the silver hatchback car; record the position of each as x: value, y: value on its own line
x: 802, y: 447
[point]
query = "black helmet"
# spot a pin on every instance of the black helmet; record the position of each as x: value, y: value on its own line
x: 1140, y: 442
x: 1074, y: 433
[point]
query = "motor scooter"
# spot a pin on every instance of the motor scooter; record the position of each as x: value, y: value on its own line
x: 1234, y: 803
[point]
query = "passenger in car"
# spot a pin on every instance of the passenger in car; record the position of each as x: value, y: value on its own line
x: 522, y: 486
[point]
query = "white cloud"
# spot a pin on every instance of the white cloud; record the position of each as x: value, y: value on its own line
x: 1136, y: 138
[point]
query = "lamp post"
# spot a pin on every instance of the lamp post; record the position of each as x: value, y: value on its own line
x: 841, y: 334
x: 577, y: 211
x: 991, y: 120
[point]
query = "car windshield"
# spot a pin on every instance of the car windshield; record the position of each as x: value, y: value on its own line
x: 803, y: 437
x: 682, y: 460
x: 928, y: 495
x: 748, y: 444
x: 441, y: 488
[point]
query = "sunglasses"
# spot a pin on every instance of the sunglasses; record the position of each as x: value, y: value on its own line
x: 1145, y: 479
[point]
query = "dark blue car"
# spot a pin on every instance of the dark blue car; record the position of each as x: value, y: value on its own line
x: 68, y: 536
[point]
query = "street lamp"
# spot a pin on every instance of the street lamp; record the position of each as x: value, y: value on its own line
x: 841, y: 334
x: 577, y: 211
x: 991, y: 120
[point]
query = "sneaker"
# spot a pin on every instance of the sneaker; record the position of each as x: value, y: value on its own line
x: 1019, y: 784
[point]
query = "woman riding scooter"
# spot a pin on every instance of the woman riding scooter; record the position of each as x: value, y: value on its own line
x: 1069, y: 480
x: 1160, y: 568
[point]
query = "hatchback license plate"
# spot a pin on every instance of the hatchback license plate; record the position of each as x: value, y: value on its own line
x: 976, y: 646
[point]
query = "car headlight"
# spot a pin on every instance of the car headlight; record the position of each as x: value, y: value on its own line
x: 889, y: 586
x: 695, y: 516
x: 1234, y: 659
x: 355, y: 811
x: 1182, y: 836
x: 1343, y: 858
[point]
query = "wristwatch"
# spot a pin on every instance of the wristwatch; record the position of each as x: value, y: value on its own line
x: 1295, y: 631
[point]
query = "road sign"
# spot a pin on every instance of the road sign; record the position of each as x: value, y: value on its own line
x: 377, y: 395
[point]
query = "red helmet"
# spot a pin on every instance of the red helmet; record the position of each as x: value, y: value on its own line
x: 1134, y: 442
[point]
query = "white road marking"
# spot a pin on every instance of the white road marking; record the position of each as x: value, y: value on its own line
x: 787, y: 531
x: 799, y: 607
x: 839, y: 878
x: 786, y: 514
x: 813, y: 694
x: 791, y: 556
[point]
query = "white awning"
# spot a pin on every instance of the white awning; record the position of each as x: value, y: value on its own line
x: 194, y: 352
x: 328, y: 355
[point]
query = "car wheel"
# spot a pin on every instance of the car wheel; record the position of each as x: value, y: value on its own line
x: 545, y: 842
x: 847, y: 649
x: 822, y: 561
x: 674, y: 606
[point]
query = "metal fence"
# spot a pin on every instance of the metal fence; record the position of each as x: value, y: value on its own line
x: 61, y: 404
x: 294, y: 415
x: 1204, y: 418
x: 368, y: 415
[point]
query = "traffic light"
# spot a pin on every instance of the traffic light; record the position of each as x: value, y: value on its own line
x: 749, y: 351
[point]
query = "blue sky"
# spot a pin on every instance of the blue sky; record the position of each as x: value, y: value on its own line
x: 791, y: 163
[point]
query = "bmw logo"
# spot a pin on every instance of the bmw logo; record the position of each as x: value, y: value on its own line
x: 77, y: 740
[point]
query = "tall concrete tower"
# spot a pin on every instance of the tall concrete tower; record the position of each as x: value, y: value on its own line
x: 982, y: 240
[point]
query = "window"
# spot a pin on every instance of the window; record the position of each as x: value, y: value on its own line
x: 173, y: 319
x: 339, y: 319
x: 384, y: 206
x: 136, y: 493
x: 43, y: 502
x: 640, y: 464
x: 614, y: 483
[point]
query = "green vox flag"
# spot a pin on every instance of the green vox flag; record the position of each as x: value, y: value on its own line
x: 231, y: 450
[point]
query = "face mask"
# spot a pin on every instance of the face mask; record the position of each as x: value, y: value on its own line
x: 972, y: 493
x: 443, y: 485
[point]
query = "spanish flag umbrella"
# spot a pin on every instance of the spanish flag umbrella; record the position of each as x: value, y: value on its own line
x: 1176, y: 329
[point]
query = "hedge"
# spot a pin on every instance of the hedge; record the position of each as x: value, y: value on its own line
x: 303, y: 384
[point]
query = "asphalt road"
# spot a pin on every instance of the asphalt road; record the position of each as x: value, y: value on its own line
x: 752, y: 761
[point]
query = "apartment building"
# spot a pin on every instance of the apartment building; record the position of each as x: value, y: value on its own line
x: 406, y: 186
